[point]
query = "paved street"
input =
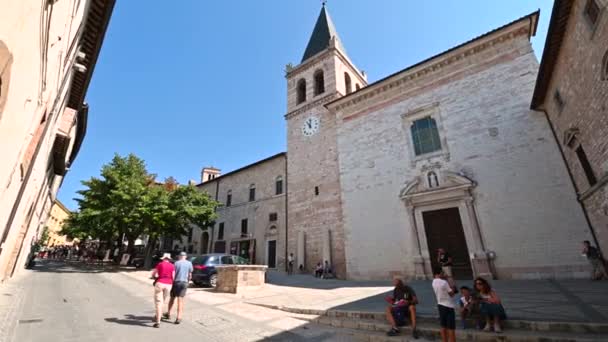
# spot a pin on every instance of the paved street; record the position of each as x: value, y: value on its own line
x: 75, y: 303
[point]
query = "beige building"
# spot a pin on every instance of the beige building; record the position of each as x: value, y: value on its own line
x: 59, y: 213
x: 572, y: 91
x: 48, y: 50
x: 252, y: 219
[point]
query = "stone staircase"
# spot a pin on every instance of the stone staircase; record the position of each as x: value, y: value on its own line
x: 372, y: 326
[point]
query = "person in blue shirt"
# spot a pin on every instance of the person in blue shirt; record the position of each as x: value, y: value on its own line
x: 183, y: 275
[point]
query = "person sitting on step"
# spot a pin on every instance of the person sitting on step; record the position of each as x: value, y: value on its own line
x: 400, y: 304
x: 490, y: 306
x: 469, y: 306
x: 327, y: 271
x: 319, y: 270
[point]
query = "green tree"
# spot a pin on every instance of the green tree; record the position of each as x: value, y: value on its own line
x: 126, y: 201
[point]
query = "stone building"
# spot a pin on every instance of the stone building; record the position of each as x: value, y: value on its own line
x: 572, y: 91
x: 252, y: 218
x: 59, y: 213
x: 445, y: 153
x: 48, y: 50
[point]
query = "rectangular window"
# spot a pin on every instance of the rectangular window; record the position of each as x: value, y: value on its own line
x: 220, y: 231
x: 592, y: 11
x: 244, y: 227
x: 279, y: 187
x: 190, y: 235
x: 273, y: 217
x: 425, y: 136
x: 582, y: 157
x: 229, y: 200
x: 251, y: 194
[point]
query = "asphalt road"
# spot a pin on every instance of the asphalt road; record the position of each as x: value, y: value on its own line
x: 70, y: 302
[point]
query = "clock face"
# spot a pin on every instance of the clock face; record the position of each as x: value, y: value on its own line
x: 311, y: 126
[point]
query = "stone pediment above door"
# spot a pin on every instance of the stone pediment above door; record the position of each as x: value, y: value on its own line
x: 436, y: 186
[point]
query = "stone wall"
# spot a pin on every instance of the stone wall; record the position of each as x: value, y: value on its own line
x: 580, y: 79
x: 522, y: 200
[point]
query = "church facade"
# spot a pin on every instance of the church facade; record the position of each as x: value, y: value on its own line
x: 443, y: 154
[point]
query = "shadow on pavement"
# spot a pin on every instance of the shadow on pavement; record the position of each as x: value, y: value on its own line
x: 73, y: 266
x: 144, y: 321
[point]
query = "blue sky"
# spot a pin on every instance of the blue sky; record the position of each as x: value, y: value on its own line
x: 189, y: 83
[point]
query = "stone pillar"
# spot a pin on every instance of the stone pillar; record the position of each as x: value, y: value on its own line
x: 419, y: 269
x: 300, y: 255
x: 327, y: 245
x: 479, y: 258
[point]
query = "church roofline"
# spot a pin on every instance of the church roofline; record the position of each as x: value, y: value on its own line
x: 553, y: 42
x: 373, y: 87
x: 278, y: 155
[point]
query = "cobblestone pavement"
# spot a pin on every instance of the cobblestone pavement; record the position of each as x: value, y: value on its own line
x: 62, y: 302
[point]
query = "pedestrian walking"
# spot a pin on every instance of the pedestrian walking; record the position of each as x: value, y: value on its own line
x: 445, y: 305
x: 183, y: 275
x: 290, y: 264
x: 163, y: 275
x: 595, y: 259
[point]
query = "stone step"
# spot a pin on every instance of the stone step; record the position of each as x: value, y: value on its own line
x: 513, y: 324
x: 368, y: 330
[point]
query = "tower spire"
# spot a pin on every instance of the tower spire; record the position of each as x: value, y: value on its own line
x: 322, y: 34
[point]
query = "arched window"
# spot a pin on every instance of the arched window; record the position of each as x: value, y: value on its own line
x: 605, y: 67
x: 319, y: 82
x: 347, y: 83
x: 229, y: 198
x: 252, y: 193
x: 425, y: 136
x: 301, y: 91
x: 279, y: 185
x: 357, y: 86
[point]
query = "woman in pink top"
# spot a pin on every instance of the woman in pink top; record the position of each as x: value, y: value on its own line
x: 163, y: 274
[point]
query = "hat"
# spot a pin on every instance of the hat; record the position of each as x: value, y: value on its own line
x: 183, y: 254
x: 166, y: 256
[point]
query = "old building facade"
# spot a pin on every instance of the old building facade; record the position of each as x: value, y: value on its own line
x: 48, y: 50
x: 572, y: 91
x: 443, y: 154
x: 57, y: 217
x: 251, y: 220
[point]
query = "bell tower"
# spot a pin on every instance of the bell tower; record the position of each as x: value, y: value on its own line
x: 325, y: 73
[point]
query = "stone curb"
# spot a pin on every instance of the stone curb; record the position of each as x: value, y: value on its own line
x: 540, y: 326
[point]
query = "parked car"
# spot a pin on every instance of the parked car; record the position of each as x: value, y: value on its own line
x: 139, y: 260
x: 205, y: 272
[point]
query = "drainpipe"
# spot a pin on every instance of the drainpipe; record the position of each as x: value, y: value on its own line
x: 286, y: 215
x: 561, y: 151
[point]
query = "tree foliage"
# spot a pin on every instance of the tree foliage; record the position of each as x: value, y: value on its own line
x: 127, y: 201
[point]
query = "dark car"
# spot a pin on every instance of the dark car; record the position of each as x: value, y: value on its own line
x: 204, y: 267
x: 139, y: 260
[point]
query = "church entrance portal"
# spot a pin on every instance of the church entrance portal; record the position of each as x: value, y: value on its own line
x: 444, y: 229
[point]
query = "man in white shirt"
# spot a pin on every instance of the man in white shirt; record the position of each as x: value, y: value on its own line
x: 447, y: 315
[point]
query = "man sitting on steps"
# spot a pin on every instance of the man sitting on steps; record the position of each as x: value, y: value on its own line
x: 402, y: 302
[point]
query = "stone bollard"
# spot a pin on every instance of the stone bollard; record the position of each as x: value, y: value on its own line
x: 236, y: 278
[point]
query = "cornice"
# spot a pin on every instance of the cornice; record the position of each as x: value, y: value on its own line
x: 309, y: 105
x: 433, y: 66
x: 314, y: 61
